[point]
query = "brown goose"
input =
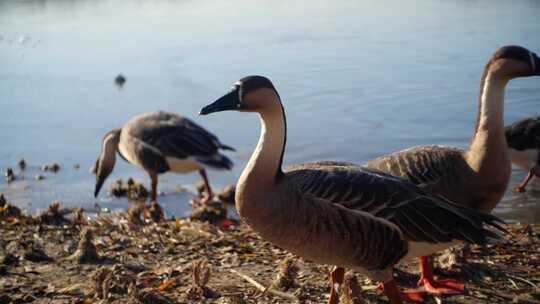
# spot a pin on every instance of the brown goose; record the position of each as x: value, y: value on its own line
x: 476, y: 177
x: 159, y: 142
x: 523, y: 138
x: 335, y: 213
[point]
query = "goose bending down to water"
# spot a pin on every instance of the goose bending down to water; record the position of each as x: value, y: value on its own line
x: 477, y: 177
x: 335, y: 213
x: 523, y: 138
x: 159, y: 142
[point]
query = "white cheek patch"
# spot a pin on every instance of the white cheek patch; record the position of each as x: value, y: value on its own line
x: 533, y: 65
x: 238, y: 85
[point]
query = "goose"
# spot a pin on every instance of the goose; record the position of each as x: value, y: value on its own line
x: 478, y: 176
x: 335, y: 213
x: 159, y: 142
x: 523, y: 138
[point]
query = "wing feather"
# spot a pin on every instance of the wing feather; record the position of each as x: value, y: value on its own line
x: 396, y: 200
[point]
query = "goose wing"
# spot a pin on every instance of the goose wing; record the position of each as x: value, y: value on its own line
x: 524, y: 134
x: 176, y: 136
x: 421, y: 217
x: 422, y: 165
x: 333, y: 234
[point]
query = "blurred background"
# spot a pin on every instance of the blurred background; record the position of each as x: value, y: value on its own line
x: 358, y: 79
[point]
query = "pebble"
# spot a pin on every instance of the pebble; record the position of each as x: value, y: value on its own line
x: 22, y: 164
x: 120, y: 80
x: 10, y: 175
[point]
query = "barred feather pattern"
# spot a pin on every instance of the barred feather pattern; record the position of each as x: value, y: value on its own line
x: 163, y: 134
x: 392, y: 198
x: 330, y: 234
x: 439, y: 170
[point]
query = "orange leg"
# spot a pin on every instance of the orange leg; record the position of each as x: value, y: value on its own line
x: 398, y: 296
x: 521, y: 187
x: 435, y: 286
x: 209, y: 194
x: 336, y: 279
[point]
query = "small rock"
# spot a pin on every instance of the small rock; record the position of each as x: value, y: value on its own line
x: 22, y: 164
x: 10, y: 175
x: 55, y: 168
x: 120, y: 80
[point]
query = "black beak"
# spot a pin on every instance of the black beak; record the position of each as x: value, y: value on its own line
x: 99, y: 184
x: 536, y: 68
x: 230, y: 101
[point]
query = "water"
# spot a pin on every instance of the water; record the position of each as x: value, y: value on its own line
x: 358, y: 79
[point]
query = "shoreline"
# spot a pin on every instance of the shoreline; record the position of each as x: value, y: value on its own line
x: 43, y: 260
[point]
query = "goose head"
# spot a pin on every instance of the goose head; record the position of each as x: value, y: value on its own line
x: 513, y: 61
x: 107, y: 158
x: 249, y: 94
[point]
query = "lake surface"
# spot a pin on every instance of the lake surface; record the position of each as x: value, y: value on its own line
x: 358, y: 79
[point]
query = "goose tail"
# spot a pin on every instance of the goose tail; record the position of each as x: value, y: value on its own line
x: 217, y: 161
x: 225, y: 147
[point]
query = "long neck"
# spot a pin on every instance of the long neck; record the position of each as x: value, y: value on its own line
x: 487, y: 153
x: 109, y: 147
x: 264, y: 167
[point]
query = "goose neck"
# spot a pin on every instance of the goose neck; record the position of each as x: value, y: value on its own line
x: 263, y: 169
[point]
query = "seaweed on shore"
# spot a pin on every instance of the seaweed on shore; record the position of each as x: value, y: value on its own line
x: 130, y: 189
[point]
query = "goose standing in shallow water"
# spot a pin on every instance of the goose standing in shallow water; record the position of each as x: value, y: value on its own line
x: 337, y: 214
x: 478, y: 177
x: 523, y: 138
x: 159, y: 142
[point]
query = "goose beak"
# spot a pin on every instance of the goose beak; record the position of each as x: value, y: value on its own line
x: 536, y: 65
x: 227, y: 102
x: 99, y: 184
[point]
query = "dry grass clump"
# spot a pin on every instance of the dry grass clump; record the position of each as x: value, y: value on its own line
x: 111, y: 281
x: 350, y: 291
x: 201, y: 276
x: 288, y: 272
x: 7, y: 210
x: 86, y: 250
x: 155, y: 212
x: 53, y: 215
x: 131, y: 189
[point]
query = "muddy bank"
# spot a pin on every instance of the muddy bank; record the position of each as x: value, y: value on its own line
x: 114, y: 259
